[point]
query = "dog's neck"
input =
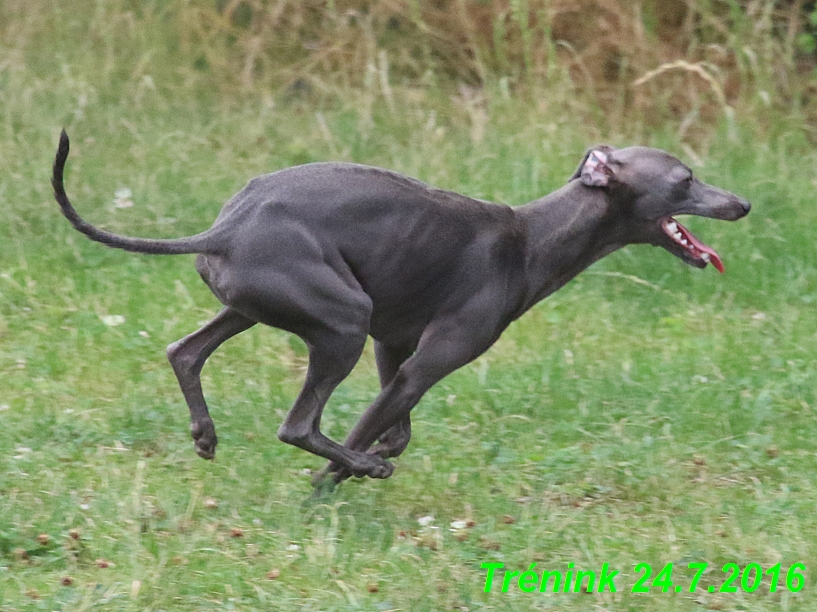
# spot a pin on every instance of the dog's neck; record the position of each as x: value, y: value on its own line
x: 567, y: 231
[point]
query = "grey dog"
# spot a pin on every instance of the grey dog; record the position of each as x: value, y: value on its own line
x: 336, y: 252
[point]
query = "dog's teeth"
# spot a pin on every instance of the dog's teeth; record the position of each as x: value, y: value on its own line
x: 684, y: 242
x: 705, y: 257
x: 672, y: 227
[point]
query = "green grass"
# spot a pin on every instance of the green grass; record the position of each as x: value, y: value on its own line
x: 648, y: 412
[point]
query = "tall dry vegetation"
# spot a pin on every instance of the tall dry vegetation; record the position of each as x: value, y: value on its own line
x: 683, y: 58
x: 689, y: 63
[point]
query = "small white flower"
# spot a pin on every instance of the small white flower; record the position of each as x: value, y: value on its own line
x: 112, y: 320
x: 425, y: 520
x: 459, y: 524
x: 123, y: 198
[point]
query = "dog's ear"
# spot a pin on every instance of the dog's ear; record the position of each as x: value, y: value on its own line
x: 596, y: 169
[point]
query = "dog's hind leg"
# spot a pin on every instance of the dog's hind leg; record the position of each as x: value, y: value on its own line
x: 187, y: 356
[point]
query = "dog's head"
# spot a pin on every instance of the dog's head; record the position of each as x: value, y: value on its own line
x: 648, y: 187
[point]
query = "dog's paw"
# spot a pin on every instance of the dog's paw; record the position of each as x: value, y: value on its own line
x: 382, y: 471
x: 374, y: 467
x: 204, y: 435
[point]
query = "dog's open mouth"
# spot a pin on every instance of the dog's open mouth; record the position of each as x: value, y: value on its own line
x: 693, y: 247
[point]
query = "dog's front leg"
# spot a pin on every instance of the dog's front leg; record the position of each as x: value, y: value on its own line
x: 331, y: 357
x: 446, y: 345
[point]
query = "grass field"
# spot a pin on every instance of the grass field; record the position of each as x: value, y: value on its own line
x: 647, y: 413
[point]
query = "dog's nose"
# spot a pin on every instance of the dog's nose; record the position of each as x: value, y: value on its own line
x: 747, y: 205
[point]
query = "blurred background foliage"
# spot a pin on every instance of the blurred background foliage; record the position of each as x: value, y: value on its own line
x: 615, y: 63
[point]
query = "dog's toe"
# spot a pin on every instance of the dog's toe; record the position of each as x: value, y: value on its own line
x: 205, y: 453
x: 384, y: 469
x: 204, y: 435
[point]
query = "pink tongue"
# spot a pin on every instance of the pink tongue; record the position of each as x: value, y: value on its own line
x: 713, y: 256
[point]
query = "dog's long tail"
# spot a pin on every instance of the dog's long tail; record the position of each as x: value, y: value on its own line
x: 206, y: 242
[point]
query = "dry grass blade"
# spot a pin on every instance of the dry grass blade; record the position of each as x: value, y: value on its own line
x: 698, y: 68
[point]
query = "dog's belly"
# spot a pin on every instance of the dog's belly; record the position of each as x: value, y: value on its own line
x: 403, y: 307
x: 398, y: 329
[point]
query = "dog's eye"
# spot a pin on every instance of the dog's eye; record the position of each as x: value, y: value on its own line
x: 681, y: 175
x: 686, y: 179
